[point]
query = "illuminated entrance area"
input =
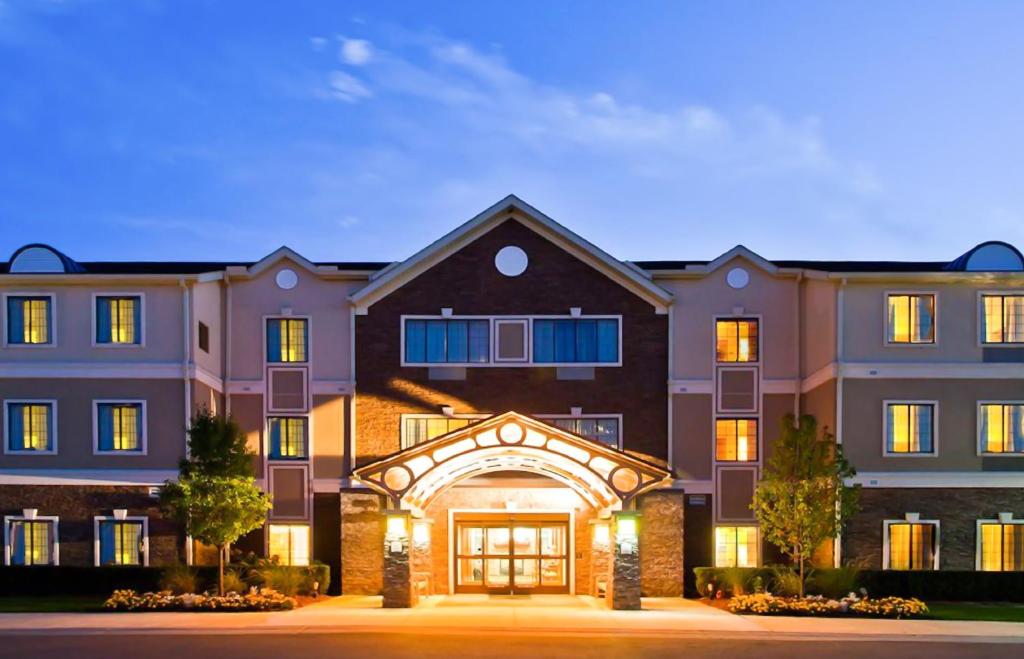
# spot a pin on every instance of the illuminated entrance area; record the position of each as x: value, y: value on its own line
x: 511, y: 553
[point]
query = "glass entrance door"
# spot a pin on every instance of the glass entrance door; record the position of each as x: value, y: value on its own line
x: 503, y: 553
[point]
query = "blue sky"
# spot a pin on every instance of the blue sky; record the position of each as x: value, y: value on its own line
x: 365, y: 130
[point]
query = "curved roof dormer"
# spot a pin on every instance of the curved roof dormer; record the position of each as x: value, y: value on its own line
x: 989, y: 256
x: 39, y: 258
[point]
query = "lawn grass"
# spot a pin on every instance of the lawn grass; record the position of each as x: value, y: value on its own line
x: 51, y: 604
x: 996, y: 611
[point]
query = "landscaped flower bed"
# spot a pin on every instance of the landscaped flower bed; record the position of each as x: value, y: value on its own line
x: 885, y: 607
x: 264, y: 600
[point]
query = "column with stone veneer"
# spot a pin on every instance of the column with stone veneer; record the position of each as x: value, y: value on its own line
x: 397, y: 587
x: 624, y: 581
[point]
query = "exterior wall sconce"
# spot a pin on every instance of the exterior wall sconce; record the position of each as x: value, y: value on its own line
x: 625, y: 534
x: 29, y: 513
x: 421, y: 533
x: 602, y: 534
x: 396, y: 525
x: 120, y: 514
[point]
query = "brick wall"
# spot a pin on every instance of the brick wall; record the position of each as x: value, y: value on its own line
x: 957, y: 510
x: 77, y: 505
x: 468, y: 283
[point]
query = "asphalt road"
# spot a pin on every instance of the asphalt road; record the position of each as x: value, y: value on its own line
x: 336, y: 646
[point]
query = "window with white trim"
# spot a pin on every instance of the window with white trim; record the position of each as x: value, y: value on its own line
x: 911, y: 545
x: 121, y: 541
x: 118, y: 319
x: 911, y: 318
x: 419, y: 428
x: 575, y: 340
x: 29, y: 320
x: 1001, y: 545
x: 736, y: 340
x: 447, y: 341
x: 289, y: 543
x: 1001, y: 428
x: 909, y: 428
x: 30, y: 426
x: 287, y: 340
x: 1002, y: 319
x: 736, y: 440
x: 30, y: 541
x: 120, y: 427
x: 736, y: 546
x: 288, y: 437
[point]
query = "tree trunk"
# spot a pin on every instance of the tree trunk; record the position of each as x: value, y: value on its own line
x: 220, y: 570
x: 800, y: 559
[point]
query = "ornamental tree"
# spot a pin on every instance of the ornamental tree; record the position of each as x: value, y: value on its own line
x: 215, y: 497
x: 802, y: 500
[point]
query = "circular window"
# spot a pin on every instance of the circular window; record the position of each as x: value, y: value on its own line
x: 511, y: 261
x: 287, y: 279
x: 738, y: 278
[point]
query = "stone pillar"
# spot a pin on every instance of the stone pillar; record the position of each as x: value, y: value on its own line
x: 398, y: 589
x: 362, y: 535
x: 624, y: 584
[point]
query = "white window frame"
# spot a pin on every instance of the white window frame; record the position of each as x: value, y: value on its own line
x: 266, y: 541
x: 309, y: 341
x: 736, y: 417
x: 52, y: 402
x: 910, y: 518
x: 759, y: 318
x: 94, y: 331
x: 1004, y: 519
x: 308, y: 438
x: 144, y: 439
x: 416, y: 415
x: 885, y: 319
x: 307, y: 503
x: 498, y: 322
x: 979, y: 438
x: 492, y: 362
x: 52, y: 343
x: 981, y: 295
x: 885, y: 429
x: 110, y: 518
x: 55, y: 541
x: 306, y: 393
x: 618, y: 417
x: 757, y: 543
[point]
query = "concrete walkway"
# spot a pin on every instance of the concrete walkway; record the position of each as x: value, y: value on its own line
x: 530, y: 615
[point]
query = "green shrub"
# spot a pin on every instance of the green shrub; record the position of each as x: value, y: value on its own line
x: 233, y: 582
x: 785, y: 581
x: 283, y: 579
x: 179, y: 579
x: 836, y: 582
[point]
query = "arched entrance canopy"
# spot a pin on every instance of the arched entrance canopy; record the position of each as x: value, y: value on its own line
x: 606, y: 478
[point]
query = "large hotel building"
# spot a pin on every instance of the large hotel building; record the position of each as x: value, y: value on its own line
x: 503, y: 395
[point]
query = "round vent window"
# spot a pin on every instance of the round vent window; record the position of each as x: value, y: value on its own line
x: 738, y: 278
x: 511, y: 261
x: 286, y: 279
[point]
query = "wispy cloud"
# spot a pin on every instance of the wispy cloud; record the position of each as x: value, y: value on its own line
x: 355, y: 52
x: 348, y: 88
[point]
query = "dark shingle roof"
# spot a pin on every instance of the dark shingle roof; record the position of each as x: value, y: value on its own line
x: 827, y: 266
x: 189, y: 267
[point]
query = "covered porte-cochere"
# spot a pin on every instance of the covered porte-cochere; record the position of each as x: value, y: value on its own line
x: 512, y: 505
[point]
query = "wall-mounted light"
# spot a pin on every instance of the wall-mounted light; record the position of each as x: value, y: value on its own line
x: 421, y: 533
x: 625, y: 534
x: 602, y: 534
x: 397, y: 525
x: 120, y: 514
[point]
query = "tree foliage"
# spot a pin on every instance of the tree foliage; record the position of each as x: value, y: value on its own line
x: 802, y: 500
x: 215, y: 497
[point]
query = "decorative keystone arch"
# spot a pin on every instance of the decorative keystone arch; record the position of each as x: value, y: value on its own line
x: 608, y: 479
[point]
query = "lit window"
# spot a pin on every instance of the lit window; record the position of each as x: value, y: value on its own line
x: 736, y: 546
x: 1002, y: 428
x: 119, y: 320
x: 911, y: 318
x: 30, y: 426
x: 31, y: 542
x: 604, y: 430
x: 28, y: 320
x: 736, y: 340
x: 910, y: 428
x: 1002, y: 546
x: 419, y: 429
x: 290, y: 543
x: 912, y: 546
x: 447, y: 341
x: 736, y: 440
x: 1003, y: 318
x: 287, y: 437
x: 122, y: 542
x: 576, y: 341
x: 119, y: 426
x: 287, y: 339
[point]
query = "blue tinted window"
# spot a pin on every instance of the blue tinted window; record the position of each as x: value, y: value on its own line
x: 576, y: 340
x: 453, y: 341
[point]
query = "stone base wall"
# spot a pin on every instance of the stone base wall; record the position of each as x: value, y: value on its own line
x: 661, y: 543
x: 77, y: 505
x: 957, y: 510
x: 362, y: 540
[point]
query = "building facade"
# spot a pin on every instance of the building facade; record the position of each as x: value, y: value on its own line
x: 512, y: 409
